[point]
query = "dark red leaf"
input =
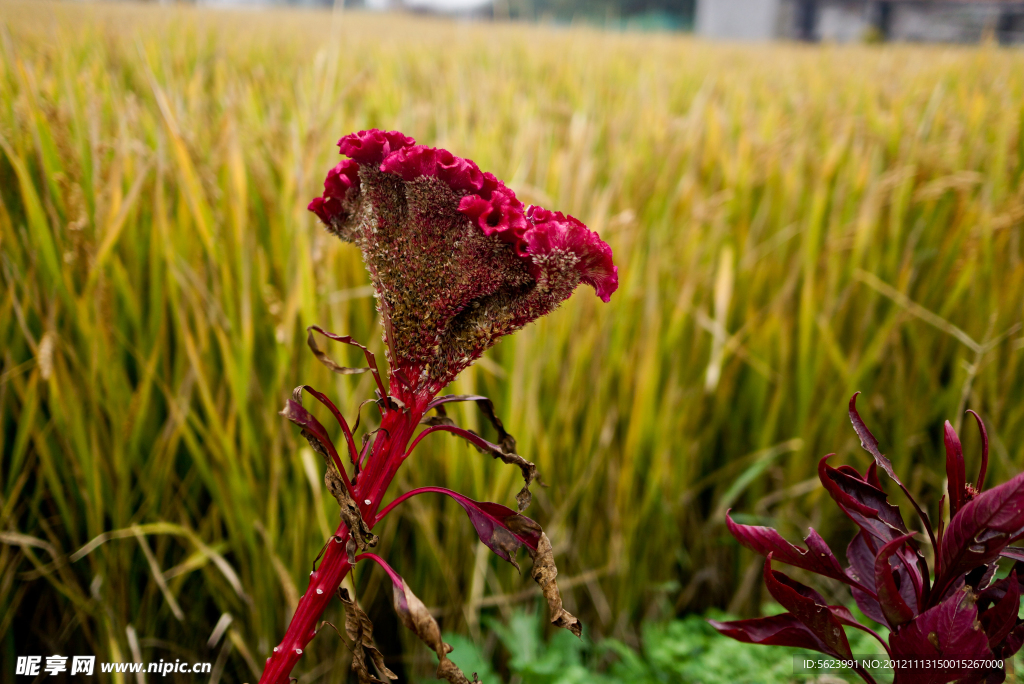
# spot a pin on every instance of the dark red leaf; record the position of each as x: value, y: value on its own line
x: 864, y: 503
x: 807, y: 606
x: 872, y: 476
x: 870, y: 444
x: 956, y: 475
x: 415, y: 616
x: 528, y: 469
x: 777, y: 630
x: 503, y: 530
x: 868, y: 441
x: 862, y: 570
x: 322, y: 398
x: 1013, y: 552
x: 981, y: 531
x: 949, y: 630
x: 999, y: 620
x: 984, y: 451
x: 315, y: 434
x: 817, y: 558
x: 1013, y: 642
x: 895, y: 608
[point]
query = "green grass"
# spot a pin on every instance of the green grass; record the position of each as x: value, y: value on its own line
x: 791, y: 223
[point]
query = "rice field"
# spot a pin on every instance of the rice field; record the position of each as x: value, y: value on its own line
x: 791, y: 223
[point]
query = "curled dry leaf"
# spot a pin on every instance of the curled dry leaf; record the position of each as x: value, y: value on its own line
x: 544, y: 573
x: 505, y: 449
x: 529, y: 470
x: 360, y: 630
x: 322, y: 356
x: 360, y: 537
x: 417, y: 618
x: 503, y: 530
x: 507, y: 441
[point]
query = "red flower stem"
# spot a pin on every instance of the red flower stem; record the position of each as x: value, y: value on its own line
x: 386, y: 456
x: 323, y: 582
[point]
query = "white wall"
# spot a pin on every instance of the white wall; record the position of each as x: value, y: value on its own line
x: 943, y: 22
x: 738, y: 19
x: 842, y: 22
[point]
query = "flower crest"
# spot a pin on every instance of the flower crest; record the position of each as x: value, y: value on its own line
x: 456, y: 260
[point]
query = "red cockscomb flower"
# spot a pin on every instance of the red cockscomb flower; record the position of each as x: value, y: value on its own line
x: 456, y: 262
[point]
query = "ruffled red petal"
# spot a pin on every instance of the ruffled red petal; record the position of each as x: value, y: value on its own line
x: 372, y: 146
x: 326, y: 208
x: 553, y: 231
x: 341, y: 178
x: 501, y: 215
x: 412, y: 162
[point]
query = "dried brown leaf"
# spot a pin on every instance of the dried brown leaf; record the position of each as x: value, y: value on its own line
x: 360, y: 630
x: 505, y: 449
x: 417, y: 618
x: 322, y: 356
x: 544, y: 573
x: 360, y: 536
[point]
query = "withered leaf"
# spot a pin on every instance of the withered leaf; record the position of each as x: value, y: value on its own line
x: 360, y: 536
x: 544, y: 572
x: 322, y: 356
x: 505, y: 449
x: 528, y: 469
x: 505, y: 440
x: 360, y: 630
x: 416, y: 617
x: 503, y: 530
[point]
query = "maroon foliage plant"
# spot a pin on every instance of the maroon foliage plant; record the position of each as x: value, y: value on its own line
x: 456, y: 262
x: 949, y: 623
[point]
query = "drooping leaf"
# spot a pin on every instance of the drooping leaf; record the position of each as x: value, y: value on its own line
x: 956, y: 473
x: 896, y: 609
x: 321, y: 355
x: 817, y: 558
x: 981, y: 531
x: 506, y: 441
x: 543, y: 573
x: 323, y: 399
x: 776, y: 630
x: 807, y: 606
x: 360, y: 537
x: 415, y: 616
x: 360, y: 630
x: 314, y: 433
x: 335, y: 477
x: 528, y: 469
x: 500, y: 528
x: 948, y: 631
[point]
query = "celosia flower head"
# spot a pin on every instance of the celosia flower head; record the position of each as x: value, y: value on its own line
x: 455, y: 259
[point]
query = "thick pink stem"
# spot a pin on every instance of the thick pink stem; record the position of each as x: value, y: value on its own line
x: 397, y: 428
x: 323, y: 582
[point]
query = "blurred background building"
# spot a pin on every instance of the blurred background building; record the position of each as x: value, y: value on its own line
x: 950, y: 21
x: 956, y: 21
